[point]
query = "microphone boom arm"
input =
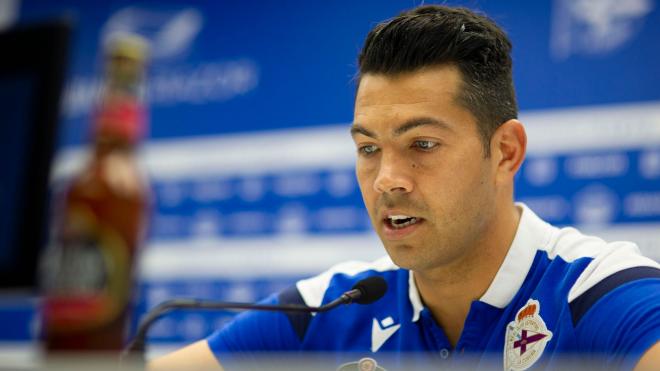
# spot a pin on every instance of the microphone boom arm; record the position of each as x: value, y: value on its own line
x: 137, y: 345
x: 365, y: 291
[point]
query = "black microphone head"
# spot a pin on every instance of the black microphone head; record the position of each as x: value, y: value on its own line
x: 371, y: 289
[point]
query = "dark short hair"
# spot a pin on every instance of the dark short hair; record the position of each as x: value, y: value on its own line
x: 437, y: 35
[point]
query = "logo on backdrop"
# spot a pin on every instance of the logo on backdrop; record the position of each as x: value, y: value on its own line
x: 526, y: 337
x: 595, y: 27
x: 170, y: 33
x: 173, y: 79
x: 541, y: 171
x: 595, y: 204
x: 649, y: 164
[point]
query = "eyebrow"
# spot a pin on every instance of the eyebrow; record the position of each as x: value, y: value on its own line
x: 406, y: 126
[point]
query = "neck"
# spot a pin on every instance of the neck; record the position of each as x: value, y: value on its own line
x: 449, y: 291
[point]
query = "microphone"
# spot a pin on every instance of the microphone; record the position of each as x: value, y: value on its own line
x: 365, y: 291
x: 370, y: 289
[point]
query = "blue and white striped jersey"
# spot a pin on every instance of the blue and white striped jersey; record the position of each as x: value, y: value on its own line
x: 558, y: 294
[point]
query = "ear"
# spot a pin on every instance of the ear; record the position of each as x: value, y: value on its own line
x: 508, y: 147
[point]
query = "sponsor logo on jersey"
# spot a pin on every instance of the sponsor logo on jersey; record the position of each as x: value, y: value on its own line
x: 381, y: 331
x: 526, y: 338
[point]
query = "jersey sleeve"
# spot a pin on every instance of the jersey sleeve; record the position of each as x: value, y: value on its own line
x: 622, y: 324
x: 254, y: 333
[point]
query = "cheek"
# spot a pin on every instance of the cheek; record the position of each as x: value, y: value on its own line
x: 366, y: 171
x: 447, y: 183
x: 365, y: 181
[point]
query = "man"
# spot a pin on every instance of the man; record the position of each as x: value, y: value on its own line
x: 473, y: 277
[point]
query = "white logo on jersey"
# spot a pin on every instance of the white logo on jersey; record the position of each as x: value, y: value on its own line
x: 526, y: 338
x: 382, y: 331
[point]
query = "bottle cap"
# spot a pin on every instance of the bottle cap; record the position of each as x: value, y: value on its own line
x: 127, y: 45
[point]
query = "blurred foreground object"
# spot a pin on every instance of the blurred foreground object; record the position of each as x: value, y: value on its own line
x: 99, y: 221
x: 32, y: 69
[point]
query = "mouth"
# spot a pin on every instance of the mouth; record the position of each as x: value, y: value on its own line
x: 397, y: 226
x: 401, y: 221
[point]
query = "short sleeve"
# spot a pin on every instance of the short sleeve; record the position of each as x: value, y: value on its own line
x: 252, y: 333
x: 623, y: 324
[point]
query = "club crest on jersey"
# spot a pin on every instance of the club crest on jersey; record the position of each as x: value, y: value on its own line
x: 526, y: 337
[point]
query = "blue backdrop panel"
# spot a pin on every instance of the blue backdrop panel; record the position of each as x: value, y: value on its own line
x: 221, y: 67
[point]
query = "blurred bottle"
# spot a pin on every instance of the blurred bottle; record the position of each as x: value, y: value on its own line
x: 101, y: 218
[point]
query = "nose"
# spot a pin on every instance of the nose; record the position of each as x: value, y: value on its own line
x: 393, y: 176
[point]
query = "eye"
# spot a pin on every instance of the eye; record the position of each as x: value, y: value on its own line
x: 425, y: 145
x: 368, y: 149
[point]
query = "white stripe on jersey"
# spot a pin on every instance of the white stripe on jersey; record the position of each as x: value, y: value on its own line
x: 616, y: 256
x: 567, y: 243
x: 313, y: 289
x: 608, y: 258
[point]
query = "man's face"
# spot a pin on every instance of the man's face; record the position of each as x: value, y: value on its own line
x: 428, y: 188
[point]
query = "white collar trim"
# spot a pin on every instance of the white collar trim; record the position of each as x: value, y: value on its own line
x: 533, y: 234
x: 415, y: 299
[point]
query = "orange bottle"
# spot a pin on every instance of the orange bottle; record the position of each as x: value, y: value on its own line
x: 100, y: 222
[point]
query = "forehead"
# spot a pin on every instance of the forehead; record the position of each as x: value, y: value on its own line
x: 409, y: 87
x: 431, y: 92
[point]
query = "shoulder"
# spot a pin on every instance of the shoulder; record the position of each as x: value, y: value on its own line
x: 331, y: 284
x: 601, y: 267
x: 342, y: 277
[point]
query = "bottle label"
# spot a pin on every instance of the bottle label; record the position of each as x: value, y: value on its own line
x: 86, y: 275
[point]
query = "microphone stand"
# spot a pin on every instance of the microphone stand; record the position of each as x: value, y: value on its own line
x: 135, y: 348
x: 365, y: 291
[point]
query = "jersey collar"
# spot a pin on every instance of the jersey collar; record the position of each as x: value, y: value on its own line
x: 532, y: 234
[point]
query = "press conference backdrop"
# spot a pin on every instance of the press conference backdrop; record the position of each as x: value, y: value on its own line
x: 250, y: 158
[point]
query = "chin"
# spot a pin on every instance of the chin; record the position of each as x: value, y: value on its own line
x: 404, y: 256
